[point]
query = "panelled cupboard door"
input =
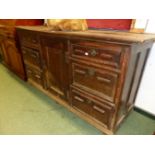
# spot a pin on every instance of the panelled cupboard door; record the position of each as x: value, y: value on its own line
x: 55, y: 67
x: 4, y: 53
x: 13, y: 57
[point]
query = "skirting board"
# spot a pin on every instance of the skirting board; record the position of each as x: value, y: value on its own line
x: 150, y: 115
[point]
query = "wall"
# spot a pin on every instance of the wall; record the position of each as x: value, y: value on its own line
x: 146, y: 95
x: 117, y: 24
x: 13, y: 22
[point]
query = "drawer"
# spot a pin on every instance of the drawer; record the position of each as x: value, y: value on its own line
x: 29, y: 39
x: 34, y: 75
x: 31, y: 56
x: 98, y: 81
x: 100, y: 53
x: 99, y: 111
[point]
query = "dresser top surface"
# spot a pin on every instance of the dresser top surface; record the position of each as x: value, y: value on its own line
x: 104, y: 34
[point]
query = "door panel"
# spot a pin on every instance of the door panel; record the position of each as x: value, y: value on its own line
x: 13, y: 57
x: 55, y: 67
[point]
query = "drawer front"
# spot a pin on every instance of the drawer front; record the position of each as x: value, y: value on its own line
x: 97, y: 81
x: 29, y: 39
x: 100, y: 53
x: 34, y: 75
x: 31, y: 56
x: 99, y: 111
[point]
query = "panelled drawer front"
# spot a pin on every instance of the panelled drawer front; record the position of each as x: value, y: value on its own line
x: 97, y: 81
x: 99, y: 111
x: 29, y: 39
x: 34, y: 75
x: 32, y: 56
x: 101, y: 53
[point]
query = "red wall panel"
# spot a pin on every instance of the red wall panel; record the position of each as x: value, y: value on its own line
x: 17, y: 22
x: 29, y: 22
x: 117, y: 24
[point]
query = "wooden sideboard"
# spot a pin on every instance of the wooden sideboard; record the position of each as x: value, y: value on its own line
x: 94, y: 74
x: 9, y: 48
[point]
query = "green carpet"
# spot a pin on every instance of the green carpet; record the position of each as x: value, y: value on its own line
x: 26, y: 110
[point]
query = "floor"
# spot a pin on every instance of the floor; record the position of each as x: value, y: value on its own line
x: 26, y: 110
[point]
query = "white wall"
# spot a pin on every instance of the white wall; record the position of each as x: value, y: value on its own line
x: 146, y: 95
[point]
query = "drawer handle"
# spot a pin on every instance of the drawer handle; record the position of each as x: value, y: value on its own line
x: 80, y: 71
x: 37, y: 76
x: 78, y: 99
x: 34, y: 41
x: 101, y: 79
x: 79, y: 51
x: 93, y: 53
x: 33, y: 55
x: 29, y: 71
x: 98, y: 109
x: 106, y: 56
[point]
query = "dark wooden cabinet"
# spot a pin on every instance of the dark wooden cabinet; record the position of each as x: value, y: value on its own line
x: 11, y: 56
x: 10, y: 52
x: 95, y: 74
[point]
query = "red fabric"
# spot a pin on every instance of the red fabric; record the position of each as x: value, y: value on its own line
x: 118, y: 24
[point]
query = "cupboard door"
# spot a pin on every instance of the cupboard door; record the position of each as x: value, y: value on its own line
x: 55, y: 68
x: 13, y: 57
x: 3, y: 52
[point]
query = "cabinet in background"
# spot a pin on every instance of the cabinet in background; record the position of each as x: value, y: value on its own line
x: 13, y: 58
x: 9, y: 45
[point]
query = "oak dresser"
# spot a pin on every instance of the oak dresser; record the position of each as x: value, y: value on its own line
x: 94, y: 74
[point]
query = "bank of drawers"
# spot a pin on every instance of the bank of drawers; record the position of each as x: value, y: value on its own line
x: 31, y: 56
x: 89, y: 80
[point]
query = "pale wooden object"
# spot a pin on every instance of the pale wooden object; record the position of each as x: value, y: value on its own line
x: 67, y: 24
